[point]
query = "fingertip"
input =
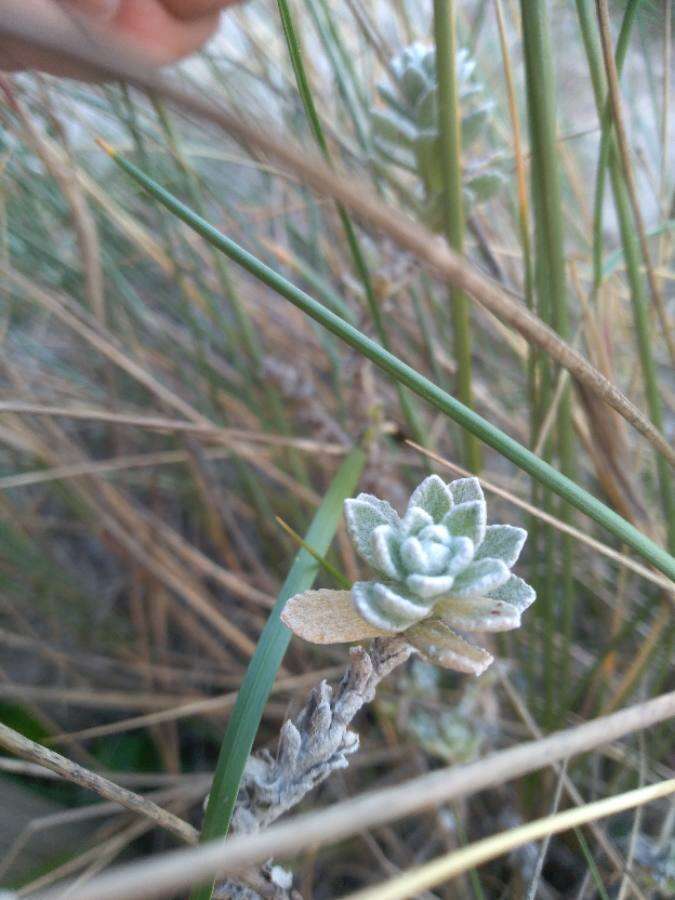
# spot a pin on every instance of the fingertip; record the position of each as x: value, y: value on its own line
x: 162, y: 38
x: 191, y: 10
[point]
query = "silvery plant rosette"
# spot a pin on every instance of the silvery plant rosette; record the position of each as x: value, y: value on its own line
x: 440, y: 570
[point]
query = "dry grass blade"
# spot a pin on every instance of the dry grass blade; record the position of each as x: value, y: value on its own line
x: 231, y: 436
x: 93, y: 698
x: 166, y: 875
x: 561, y: 770
x: 453, y: 864
x: 118, y: 62
x: 196, y: 708
x: 102, y: 343
x: 71, y: 771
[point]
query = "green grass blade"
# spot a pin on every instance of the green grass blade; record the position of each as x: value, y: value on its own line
x: 262, y: 670
x: 399, y: 371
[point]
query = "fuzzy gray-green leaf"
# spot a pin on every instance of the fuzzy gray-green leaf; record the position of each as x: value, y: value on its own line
x: 502, y: 542
x: 467, y: 520
x: 516, y: 592
x: 480, y: 577
x: 465, y: 489
x: 363, y: 515
x: 433, y: 496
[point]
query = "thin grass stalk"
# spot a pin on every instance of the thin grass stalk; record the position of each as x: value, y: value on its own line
x: 316, y: 174
x: 262, y: 670
x: 591, y: 40
x: 128, y: 114
x: 443, y: 868
x: 642, y: 333
x: 355, y: 249
x: 450, y: 137
x: 631, y: 250
x: 194, y: 192
x: 534, y: 525
x: 399, y: 371
x: 552, y: 296
x: 342, y: 67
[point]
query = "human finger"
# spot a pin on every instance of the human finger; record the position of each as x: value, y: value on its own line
x: 158, y: 34
x: 187, y: 10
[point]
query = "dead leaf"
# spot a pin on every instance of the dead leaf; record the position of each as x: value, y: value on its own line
x: 327, y: 617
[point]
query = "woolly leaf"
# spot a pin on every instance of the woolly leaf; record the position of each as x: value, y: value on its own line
x: 478, y: 614
x: 467, y: 520
x: 430, y: 586
x: 465, y: 489
x: 502, y: 542
x: 433, y: 496
x: 399, y: 156
x: 363, y: 515
x: 388, y: 607
x: 516, y: 592
x: 415, y: 520
x: 413, y: 81
x: 474, y: 123
x: 426, y: 110
x: 392, y: 99
x: 480, y: 577
x: 391, y: 126
x: 385, y: 550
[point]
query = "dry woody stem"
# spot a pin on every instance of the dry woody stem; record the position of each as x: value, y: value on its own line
x: 317, y: 742
x: 71, y: 771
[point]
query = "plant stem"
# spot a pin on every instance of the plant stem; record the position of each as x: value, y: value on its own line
x: 552, y: 299
x: 450, y: 138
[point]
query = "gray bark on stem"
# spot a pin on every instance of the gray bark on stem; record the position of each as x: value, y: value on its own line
x: 314, y: 744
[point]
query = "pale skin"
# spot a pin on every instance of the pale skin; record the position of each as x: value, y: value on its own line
x: 162, y: 31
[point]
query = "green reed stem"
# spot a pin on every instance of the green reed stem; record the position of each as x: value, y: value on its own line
x: 552, y: 296
x: 450, y: 137
x: 345, y: 75
x: 416, y: 382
